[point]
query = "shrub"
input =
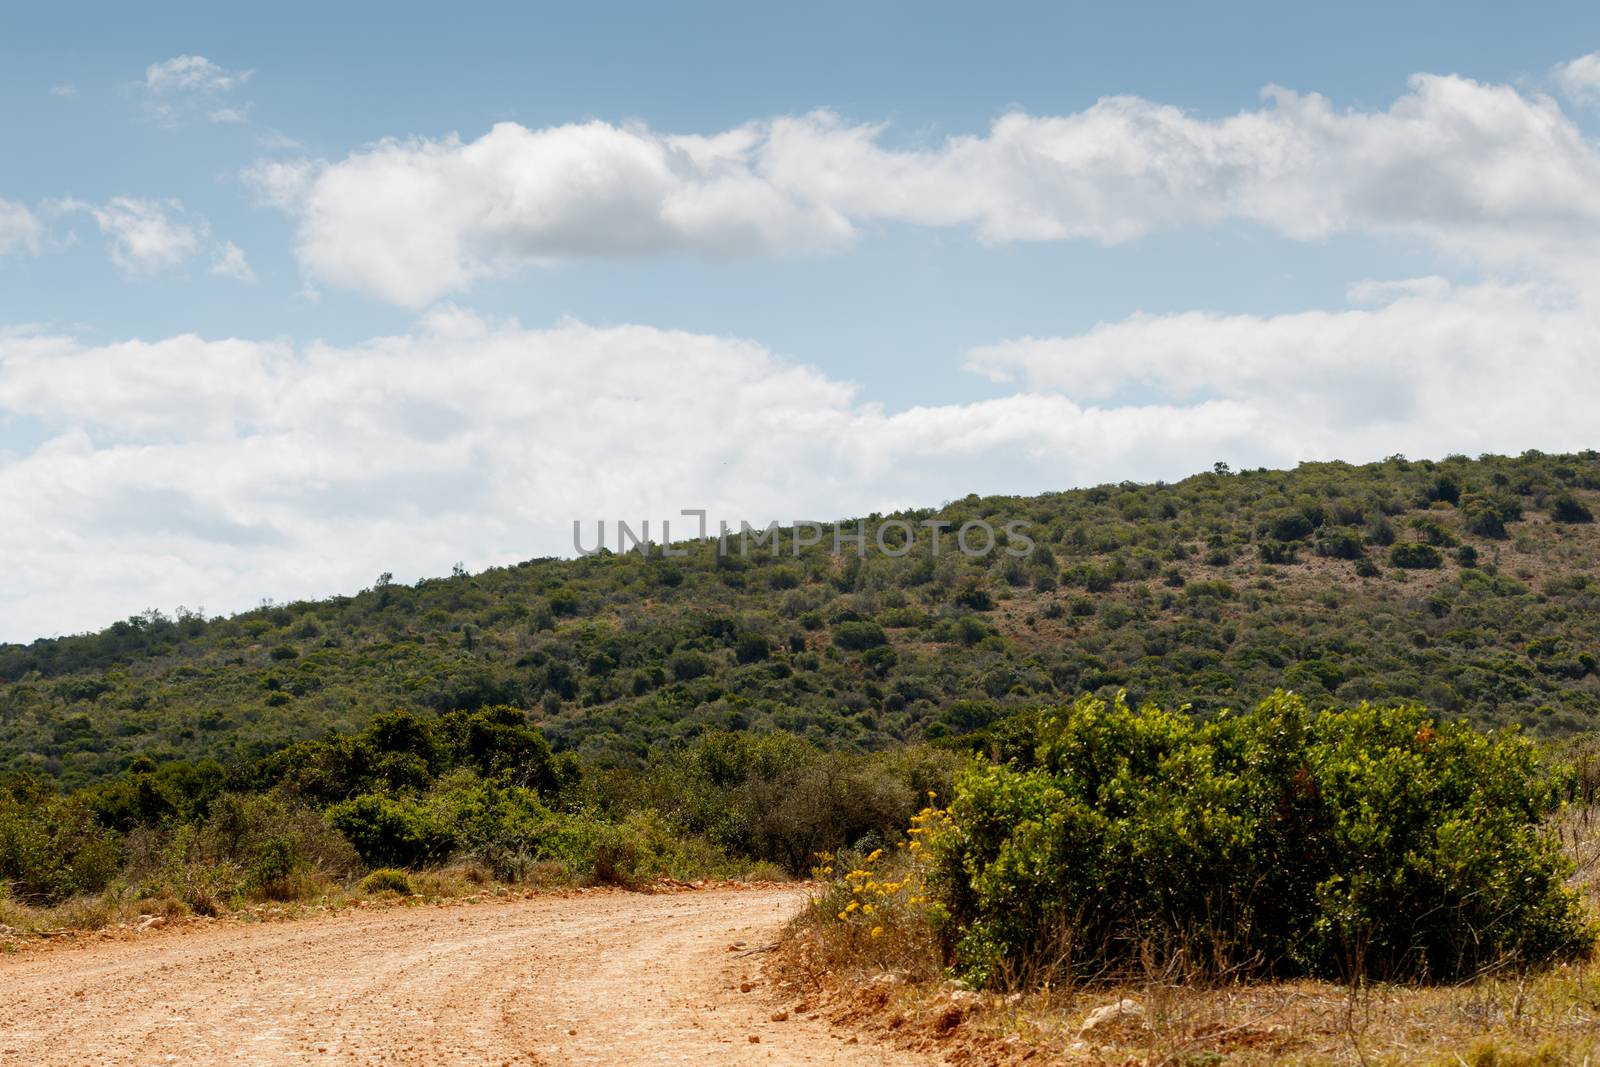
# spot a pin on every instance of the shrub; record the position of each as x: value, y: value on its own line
x: 1277, y: 552
x: 873, y: 910
x: 185, y: 870
x: 1293, y: 526
x: 250, y: 846
x: 1568, y: 508
x: 1415, y: 557
x: 386, y: 880
x: 858, y: 636
x: 52, y: 847
x: 506, y: 828
x: 1434, y: 533
x: 974, y: 595
x: 1340, y: 544
x: 1487, y: 517
x: 971, y: 629
x: 388, y: 832
x: 687, y: 665
x: 280, y: 847
x: 1366, y: 841
x: 752, y: 648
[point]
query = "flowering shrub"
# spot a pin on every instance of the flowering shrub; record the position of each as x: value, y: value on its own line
x: 876, y: 908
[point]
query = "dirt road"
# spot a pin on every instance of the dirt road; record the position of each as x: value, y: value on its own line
x: 606, y: 978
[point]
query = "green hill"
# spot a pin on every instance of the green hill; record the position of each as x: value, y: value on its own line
x: 1470, y: 585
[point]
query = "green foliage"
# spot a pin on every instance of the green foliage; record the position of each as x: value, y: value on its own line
x: 1568, y: 508
x: 1365, y: 841
x: 778, y: 799
x: 1416, y: 556
x: 386, y: 880
x: 858, y: 636
x: 51, y: 847
x: 1341, y: 544
x: 1487, y: 516
x: 392, y: 832
x: 1433, y: 532
x: 614, y: 655
x: 249, y: 846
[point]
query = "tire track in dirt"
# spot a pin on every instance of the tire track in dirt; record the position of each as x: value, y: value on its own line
x: 600, y: 978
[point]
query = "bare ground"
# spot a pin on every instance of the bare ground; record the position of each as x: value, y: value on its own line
x: 610, y: 978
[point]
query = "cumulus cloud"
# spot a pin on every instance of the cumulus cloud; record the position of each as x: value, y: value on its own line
x: 410, y: 220
x: 189, y: 470
x: 1478, y: 170
x: 19, y: 229
x: 64, y: 91
x: 190, y: 87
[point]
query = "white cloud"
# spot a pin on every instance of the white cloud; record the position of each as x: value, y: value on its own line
x: 65, y: 91
x: 220, y: 472
x: 191, y: 87
x: 1476, y: 170
x: 1431, y: 370
x: 1579, y: 79
x: 411, y: 220
x: 191, y: 74
x: 146, y: 236
x: 282, y: 184
x: 230, y: 262
x: 19, y: 229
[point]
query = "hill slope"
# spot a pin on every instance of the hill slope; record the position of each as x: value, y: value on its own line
x: 1471, y: 585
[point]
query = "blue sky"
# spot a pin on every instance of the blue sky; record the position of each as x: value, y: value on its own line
x: 905, y: 270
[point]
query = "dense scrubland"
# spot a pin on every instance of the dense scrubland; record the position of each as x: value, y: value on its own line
x: 1471, y: 586
x: 1316, y: 724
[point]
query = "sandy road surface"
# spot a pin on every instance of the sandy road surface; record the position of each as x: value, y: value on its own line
x: 606, y: 978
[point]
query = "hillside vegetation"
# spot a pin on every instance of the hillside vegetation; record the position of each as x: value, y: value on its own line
x: 1471, y: 586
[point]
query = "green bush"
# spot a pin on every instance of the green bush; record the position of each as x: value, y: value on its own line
x: 1415, y: 556
x: 858, y: 636
x: 386, y: 880
x: 1568, y: 508
x: 1293, y: 526
x: 1340, y: 544
x: 391, y: 832
x: 506, y: 828
x: 1487, y: 517
x: 1277, y: 842
x: 778, y: 799
x: 52, y: 847
x: 1433, y: 532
